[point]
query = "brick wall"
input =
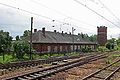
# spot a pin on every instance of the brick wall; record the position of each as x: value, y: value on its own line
x: 44, y: 48
x: 102, y: 35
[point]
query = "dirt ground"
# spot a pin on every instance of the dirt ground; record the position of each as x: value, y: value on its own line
x: 77, y: 73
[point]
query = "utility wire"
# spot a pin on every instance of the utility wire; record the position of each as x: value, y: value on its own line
x: 61, y: 13
x: 95, y: 12
x: 30, y: 12
x: 38, y: 3
x: 25, y: 11
x: 108, y: 10
x: 64, y: 15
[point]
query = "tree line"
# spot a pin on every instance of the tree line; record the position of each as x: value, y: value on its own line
x: 20, y: 46
x: 92, y: 38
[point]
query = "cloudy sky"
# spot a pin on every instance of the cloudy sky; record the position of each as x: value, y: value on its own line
x: 15, y: 15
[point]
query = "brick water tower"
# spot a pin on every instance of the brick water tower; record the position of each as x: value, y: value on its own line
x: 102, y: 35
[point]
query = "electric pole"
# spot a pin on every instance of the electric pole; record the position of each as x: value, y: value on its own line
x: 73, y: 36
x: 31, y: 38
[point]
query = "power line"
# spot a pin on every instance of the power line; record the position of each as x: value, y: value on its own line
x: 61, y: 13
x: 64, y: 15
x: 95, y: 12
x: 38, y: 3
x: 108, y: 10
x: 25, y: 11
x: 30, y: 12
x: 14, y: 24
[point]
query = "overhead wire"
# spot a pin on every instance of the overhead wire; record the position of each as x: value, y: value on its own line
x: 65, y: 16
x: 25, y: 11
x: 108, y: 9
x: 30, y: 12
x: 61, y: 13
x: 38, y: 3
x: 96, y: 12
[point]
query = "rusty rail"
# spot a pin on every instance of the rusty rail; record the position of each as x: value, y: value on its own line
x: 98, y: 71
x: 47, y: 72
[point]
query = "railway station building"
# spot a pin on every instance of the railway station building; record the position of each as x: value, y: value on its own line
x: 46, y: 41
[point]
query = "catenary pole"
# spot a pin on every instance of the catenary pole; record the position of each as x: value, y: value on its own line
x: 31, y: 38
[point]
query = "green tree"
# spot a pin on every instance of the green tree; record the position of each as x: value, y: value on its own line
x: 17, y: 38
x: 21, y: 48
x: 113, y: 40
x: 26, y: 34
x: 93, y: 38
x: 84, y: 36
x: 118, y: 42
x: 110, y: 45
x: 5, y: 41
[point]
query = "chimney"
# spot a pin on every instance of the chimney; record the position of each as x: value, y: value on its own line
x: 62, y: 32
x: 55, y: 31
x: 43, y: 31
x: 35, y: 30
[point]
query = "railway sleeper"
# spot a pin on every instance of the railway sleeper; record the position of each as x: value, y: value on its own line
x: 99, y: 71
x: 41, y: 61
x: 112, y: 73
x: 26, y: 77
x: 81, y: 61
x: 19, y: 78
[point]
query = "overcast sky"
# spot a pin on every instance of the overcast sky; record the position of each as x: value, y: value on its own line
x: 66, y: 13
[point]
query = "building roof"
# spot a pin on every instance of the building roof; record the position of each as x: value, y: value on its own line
x: 56, y: 37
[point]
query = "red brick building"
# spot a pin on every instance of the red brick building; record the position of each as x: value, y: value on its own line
x: 46, y: 41
x: 102, y: 35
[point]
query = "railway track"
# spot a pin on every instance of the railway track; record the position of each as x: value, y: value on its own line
x: 105, y: 73
x: 41, y: 74
x: 23, y: 64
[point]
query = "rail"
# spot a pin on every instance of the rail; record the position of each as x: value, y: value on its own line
x: 98, y: 71
x: 52, y: 70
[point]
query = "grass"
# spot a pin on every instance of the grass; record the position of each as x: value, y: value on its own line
x: 46, y: 56
x: 112, y: 57
x: 9, y: 58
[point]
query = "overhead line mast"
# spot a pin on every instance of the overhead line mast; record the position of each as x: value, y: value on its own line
x: 31, y: 38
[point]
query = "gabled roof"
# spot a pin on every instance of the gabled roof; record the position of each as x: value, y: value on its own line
x: 56, y: 37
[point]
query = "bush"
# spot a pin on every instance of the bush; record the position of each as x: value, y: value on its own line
x: 110, y: 46
x: 102, y: 49
x: 20, y: 48
x: 87, y: 49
